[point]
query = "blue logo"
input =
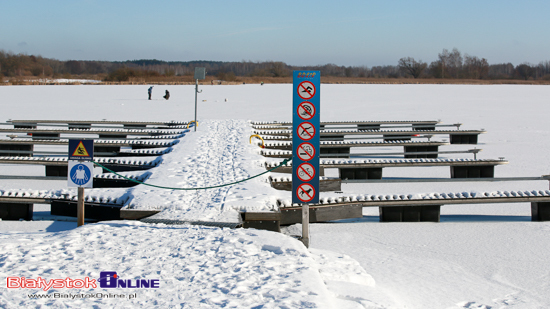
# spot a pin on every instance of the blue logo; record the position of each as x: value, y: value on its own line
x: 111, y: 280
x: 107, y: 279
x: 80, y: 174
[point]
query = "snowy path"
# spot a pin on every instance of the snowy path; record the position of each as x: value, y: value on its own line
x: 218, y: 153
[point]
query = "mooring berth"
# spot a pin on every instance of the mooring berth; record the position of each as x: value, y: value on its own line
x: 372, y: 168
x: 366, y: 127
x: 57, y: 166
x: 412, y: 207
x: 83, y: 124
x: 19, y: 204
x: 101, y: 132
x: 97, y: 137
x: 122, y: 153
x: 414, y: 149
x: 106, y: 180
x: 456, y: 136
x: 25, y: 147
x: 429, y: 153
x: 368, y: 124
x: 287, y: 145
x: 326, y: 184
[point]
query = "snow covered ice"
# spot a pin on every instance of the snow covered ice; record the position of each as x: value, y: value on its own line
x: 478, y: 256
x: 196, y: 266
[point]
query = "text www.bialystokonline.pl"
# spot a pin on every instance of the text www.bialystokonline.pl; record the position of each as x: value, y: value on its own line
x: 82, y: 295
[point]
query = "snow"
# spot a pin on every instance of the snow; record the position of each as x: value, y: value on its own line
x: 213, y: 156
x: 495, y: 261
x: 196, y: 266
x: 478, y: 256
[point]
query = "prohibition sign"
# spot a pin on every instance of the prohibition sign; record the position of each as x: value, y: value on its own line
x: 306, y: 110
x: 306, y: 90
x: 306, y: 151
x: 306, y: 131
x: 305, y: 192
x: 305, y: 172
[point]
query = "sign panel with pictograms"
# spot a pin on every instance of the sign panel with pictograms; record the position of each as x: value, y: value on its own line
x: 305, y: 136
x: 80, y: 174
x: 305, y: 152
x: 306, y: 110
x: 306, y: 193
x: 80, y: 168
x: 306, y: 131
x: 306, y: 172
x: 306, y: 90
x: 81, y: 149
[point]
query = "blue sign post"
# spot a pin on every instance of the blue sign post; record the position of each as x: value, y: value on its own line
x: 306, y: 127
x: 305, y: 138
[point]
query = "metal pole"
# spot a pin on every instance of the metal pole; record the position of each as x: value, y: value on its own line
x: 196, y: 92
x: 305, y: 225
x: 80, y: 207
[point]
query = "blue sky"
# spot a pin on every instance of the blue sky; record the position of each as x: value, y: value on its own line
x: 350, y: 33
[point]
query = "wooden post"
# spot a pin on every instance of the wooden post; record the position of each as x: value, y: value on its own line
x: 80, y: 207
x: 305, y: 225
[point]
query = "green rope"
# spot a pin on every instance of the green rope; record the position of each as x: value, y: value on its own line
x: 204, y: 188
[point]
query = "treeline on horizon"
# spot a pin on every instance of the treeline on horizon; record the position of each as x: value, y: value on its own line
x: 450, y: 64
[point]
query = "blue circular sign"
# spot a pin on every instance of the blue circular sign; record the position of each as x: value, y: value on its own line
x: 80, y: 174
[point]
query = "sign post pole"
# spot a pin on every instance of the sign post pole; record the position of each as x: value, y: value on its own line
x: 200, y: 73
x: 305, y: 225
x: 80, y: 207
x: 306, y: 143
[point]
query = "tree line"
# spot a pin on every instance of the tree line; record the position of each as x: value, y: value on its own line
x: 454, y: 65
x: 449, y: 64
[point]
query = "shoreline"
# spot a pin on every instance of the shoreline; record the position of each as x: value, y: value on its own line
x: 185, y: 80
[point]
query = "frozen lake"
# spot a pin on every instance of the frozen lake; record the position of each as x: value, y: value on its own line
x: 478, y: 256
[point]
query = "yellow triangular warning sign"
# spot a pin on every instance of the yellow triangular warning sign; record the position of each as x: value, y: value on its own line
x: 80, y: 151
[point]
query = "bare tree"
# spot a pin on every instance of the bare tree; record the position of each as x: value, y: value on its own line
x: 348, y: 71
x: 74, y: 67
x: 524, y: 71
x: 278, y: 69
x: 451, y: 63
x: 502, y: 70
x: 475, y: 67
x: 542, y: 69
x: 411, y: 66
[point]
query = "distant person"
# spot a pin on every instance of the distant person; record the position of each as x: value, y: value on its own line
x: 167, y: 95
x: 262, y: 83
x: 150, y: 91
